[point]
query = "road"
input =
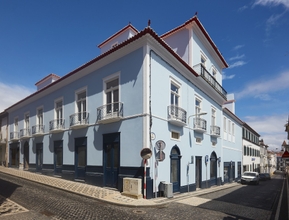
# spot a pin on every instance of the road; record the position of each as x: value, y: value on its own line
x: 34, y: 201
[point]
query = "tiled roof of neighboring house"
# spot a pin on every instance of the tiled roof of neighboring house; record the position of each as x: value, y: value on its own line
x: 196, y: 20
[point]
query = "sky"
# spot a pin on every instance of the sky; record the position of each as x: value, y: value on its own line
x: 57, y: 36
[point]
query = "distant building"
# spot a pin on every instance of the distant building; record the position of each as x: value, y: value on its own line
x: 3, y: 138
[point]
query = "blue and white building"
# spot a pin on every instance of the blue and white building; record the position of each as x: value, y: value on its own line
x: 144, y: 91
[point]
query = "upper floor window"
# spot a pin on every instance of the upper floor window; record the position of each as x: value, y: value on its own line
x: 81, y: 101
x: 233, y: 129
x: 112, y: 95
x: 26, y: 120
x: 214, y: 73
x: 213, y: 117
x: 224, y: 124
x: 59, y: 110
x: 40, y: 116
x: 203, y: 61
x: 198, y: 108
x: 175, y: 94
x: 229, y: 126
x: 15, y: 124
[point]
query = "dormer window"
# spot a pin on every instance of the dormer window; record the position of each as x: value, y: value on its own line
x: 203, y: 61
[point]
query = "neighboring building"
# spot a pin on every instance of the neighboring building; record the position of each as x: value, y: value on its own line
x: 3, y: 138
x: 251, y: 149
x: 272, y: 162
x: 144, y: 91
x: 263, y: 157
x: 232, y: 142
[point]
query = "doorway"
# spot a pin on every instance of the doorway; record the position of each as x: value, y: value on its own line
x: 80, y: 158
x: 26, y: 156
x: 198, y: 172
x: 14, y: 156
x: 111, y: 159
x: 39, y: 157
x: 175, y: 168
x: 58, y: 157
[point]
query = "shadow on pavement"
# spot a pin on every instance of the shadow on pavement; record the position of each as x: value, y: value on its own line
x: 6, y: 189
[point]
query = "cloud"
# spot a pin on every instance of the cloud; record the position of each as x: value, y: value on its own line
x: 262, y: 88
x: 285, y: 3
x: 238, y: 57
x: 238, y: 47
x: 242, y: 8
x: 272, y: 21
x: 10, y: 94
x: 270, y: 127
x: 228, y: 77
x: 238, y: 63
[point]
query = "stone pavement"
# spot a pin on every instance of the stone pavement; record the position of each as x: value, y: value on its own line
x: 104, y: 194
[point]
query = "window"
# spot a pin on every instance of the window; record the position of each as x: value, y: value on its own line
x: 81, y: 105
x: 213, y: 122
x: 40, y: 116
x: 112, y: 95
x: 203, y: 61
x: 175, y: 135
x: 26, y: 121
x: 214, y: 73
x: 229, y: 126
x: 233, y: 129
x: 16, y: 124
x: 174, y: 94
x: 198, y: 107
x: 225, y: 122
x: 58, y: 112
x: 198, y: 140
x: 244, y: 150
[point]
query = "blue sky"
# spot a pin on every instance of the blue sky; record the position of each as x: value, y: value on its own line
x: 56, y: 36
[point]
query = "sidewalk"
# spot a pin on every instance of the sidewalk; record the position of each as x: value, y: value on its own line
x: 105, y: 194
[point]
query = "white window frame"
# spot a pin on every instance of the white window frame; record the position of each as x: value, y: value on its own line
x: 105, y: 89
x: 214, y: 72
x: 40, y: 118
x: 26, y: 120
x: 198, y: 108
x: 179, y: 135
x: 78, y: 92
x: 203, y: 57
x: 56, y: 109
x: 16, y: 124
x: 225, y: 124
x: 213, y: 117
x: 174, y: 93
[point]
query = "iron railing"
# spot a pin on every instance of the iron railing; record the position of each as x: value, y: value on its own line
x: 37, y: 129
x: 56, y: 124
x: 80, y: 118
x: 14, y: 135
x: 201, y: 70
x: 177, y: 113
x: 25, y: 133
x: 109, y: 111
x: 215, y: 130
x: 200, y: 124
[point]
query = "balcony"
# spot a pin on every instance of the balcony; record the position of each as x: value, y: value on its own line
x: 177, y: 116
x: 109, y: 113
x: 79, y: 120
x: 37, y: 130
x: 56, y: 125
x: 200, y: 125
x: 25, y: 133
x: 14, y: 136
x: 215, y: 131
x: 201, y: 70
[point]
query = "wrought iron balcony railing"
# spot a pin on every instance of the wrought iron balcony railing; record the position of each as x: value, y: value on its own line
x: 110, y: 112
x: 79, y: 120
x: 201, y: 70
x: 177, y: 115
x: 37, y: 130
x: 14, y: 135
x: 25, y: 133
x: 200, y: 124
x: 215, y: 131
x: 56, y: 125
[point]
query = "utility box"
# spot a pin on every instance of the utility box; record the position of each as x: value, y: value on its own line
x: 168, y: 192
x: 132, y: 187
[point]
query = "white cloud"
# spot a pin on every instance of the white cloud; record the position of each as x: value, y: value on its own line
x: 285, y: 3
x: 238, y: 47
x: 243, y: 8
x: 263, y: 88
x: 10, y: 94
x: 271, y: 128
x: 236, y: 64
x: 228, y: 77
x: 238, y: 57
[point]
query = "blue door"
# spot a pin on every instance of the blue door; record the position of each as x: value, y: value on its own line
x: 39, y: 157
x: 58, y: 157
x: 213, y: 169
x: 175, y: 168
x: 80, y: 158
x: 111, y: 157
